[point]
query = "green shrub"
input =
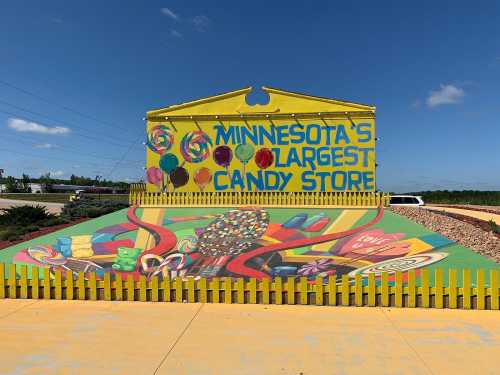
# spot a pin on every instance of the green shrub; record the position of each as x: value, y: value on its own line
x: 24, y: 215
x: 494, y: 226
x: 90, y: 207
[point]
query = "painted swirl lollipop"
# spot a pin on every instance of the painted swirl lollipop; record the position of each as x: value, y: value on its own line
x: 195, y: 146
x: 160, y: 139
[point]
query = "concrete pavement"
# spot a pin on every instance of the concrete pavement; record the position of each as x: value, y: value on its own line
x: 486, y: 216
x: 84, y: 337
x: 54, y: 208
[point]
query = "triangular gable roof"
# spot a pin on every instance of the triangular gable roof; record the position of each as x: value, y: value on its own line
x: 280, y: 101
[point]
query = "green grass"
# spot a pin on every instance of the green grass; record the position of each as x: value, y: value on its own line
x: 60, y: 197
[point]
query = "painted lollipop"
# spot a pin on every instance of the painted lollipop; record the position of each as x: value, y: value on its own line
x: 264, y: 158
x: 179, y: 177
x: 195, y: 146
x: 160, y: 139
x: 202, y: 177
x: 223, y: 156
x: 244, y: 153
x: 154, y: 176
x: 168, y: 163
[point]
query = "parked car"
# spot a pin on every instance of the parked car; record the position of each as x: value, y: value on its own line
x: 406, y: 200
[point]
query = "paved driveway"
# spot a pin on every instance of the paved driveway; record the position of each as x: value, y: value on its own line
x: 51, y: 207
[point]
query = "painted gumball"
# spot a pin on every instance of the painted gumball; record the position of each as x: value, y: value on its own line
x: 223, y: 156
x: 179, y: 177
x: 168, y: 162
x: 264, y: 158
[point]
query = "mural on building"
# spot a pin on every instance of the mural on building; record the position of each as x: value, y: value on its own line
x: 243, y: 242
x: 295, y: 143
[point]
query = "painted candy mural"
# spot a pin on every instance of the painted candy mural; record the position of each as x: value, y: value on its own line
x: 241, y: 242
x: 295, y: 143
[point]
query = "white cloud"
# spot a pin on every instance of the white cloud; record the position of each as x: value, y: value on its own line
x: 201, y: 23
x: 447, y: 94
x: 56, y: 173
x: 175, y: 34
x: 169, y: 13
x: 23, y: 126
x: 45, y: 145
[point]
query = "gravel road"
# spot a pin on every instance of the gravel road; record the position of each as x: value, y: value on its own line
x: 484, y: 243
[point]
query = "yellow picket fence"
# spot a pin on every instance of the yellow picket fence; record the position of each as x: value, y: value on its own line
x: 344, y: 292
x: 263, y: 199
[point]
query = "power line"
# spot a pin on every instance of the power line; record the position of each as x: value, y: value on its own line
x: 72, y: 150
x: 77, y: 134
x: 51, y: 119
x: 122, y: 158
x: 66, y: 108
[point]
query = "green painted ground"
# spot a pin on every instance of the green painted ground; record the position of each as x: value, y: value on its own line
x: 458, y: 256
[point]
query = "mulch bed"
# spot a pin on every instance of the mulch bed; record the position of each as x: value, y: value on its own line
x: 41, y: 232
x: 481, y: 224
x: 472, y: 208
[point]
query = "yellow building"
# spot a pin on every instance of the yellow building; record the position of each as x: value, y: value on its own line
x: 295, y: 143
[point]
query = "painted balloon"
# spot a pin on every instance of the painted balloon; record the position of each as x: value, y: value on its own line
x: 160, y: 139
x: 264, y: 158
x: 195, y: 146
x: 179, y: 177
x: 202, y: 177
x: 154, y: 175
x: 223, y: 156
x: 168, y: 163
x: 244, y: 153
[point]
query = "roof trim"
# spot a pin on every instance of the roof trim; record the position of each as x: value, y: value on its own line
x: 209, y: 99
x: 319, y: 98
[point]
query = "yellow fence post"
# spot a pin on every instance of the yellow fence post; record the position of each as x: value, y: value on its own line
x: 107, y: 286
x: 58, y: 283
x: 35, y: 283
x: 358, y: 290
x: 345, y: 290
x: 81, y: 286
x: 202, y: 286
x: 24, y: 281
x: 191, y: 290
x: 412, y: 289
x: 372, y: 290
x: 452, y: 289
x: 425, y: 288
x: 265, y: 287
x: 12, y: 281
x: 480, y: 295
x: 143, y: 294
x: 332, y: 290
x: 2, y: 280
x: 438, y: 288
x: 178, y: 289
x: 69, y: 283
x: 398, y: 299
x: 252, y: 287
x: 46, y: 283
x: 466, y: 287
x: 118, y: 283
x: 278, y: 291
x: 384, y: 289
x: 130, y: 285
x: 93, y: 286
x: 303, y: 290
x: 228, y: 290
x: 154, y: 289
x: 167, y: 295
x: 240, y: 290
x: 319, y: 291
x: 290, y: 290
x: 215, y: 287
x: 494, y: 290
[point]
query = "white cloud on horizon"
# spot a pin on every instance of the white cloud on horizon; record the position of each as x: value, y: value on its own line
x: 169, y: 13
x: 56, y: 173
x: 175, y: 33
x: 447, y: 94
x: 45, y: 145
x: 23, y: 126
x: 201, y: 23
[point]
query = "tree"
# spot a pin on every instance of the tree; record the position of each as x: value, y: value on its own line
x: 46, y: 181
x: 11, y: 185
x: 25, y: 184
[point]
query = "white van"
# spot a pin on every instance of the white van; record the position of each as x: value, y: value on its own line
x: 406, y: 200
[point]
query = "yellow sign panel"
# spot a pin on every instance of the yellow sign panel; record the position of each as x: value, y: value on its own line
x: 295, y: 143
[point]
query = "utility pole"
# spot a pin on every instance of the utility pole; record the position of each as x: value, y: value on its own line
x: 1, y: 177
x: 97, y: 179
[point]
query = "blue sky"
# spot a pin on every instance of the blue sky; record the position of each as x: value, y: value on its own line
x: 88, y: 72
